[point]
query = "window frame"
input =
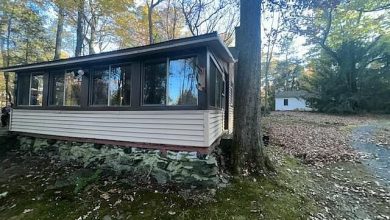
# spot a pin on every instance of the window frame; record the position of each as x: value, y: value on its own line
x: 19, y: 87
x: 285, y: 102
x: 136, y: 85
x: 223, y: 78
x: 167, y: 60
x: 51, y: 84
x: 196, y: 61
x: 30, y: 75
x: 90, y: 85
x: 130, y: 65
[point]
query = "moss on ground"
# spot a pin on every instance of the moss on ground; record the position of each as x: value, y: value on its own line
x: 277, y: 197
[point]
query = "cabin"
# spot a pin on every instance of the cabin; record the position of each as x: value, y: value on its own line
x: 291, y: 101
x: 174, y: 95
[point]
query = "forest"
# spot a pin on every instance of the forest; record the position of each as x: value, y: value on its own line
x: 338, y: 51
x: 345, y: 66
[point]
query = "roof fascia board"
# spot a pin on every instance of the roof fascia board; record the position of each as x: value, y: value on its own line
x: 122, y: 54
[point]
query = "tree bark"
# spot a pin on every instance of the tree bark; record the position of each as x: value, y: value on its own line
x: 247, y: 142
x: 7, y: 60
x: 151, y: 7
x: 60, y: 29
x: 92, y: 35
x: 150, y: 23
x: 80, y: 28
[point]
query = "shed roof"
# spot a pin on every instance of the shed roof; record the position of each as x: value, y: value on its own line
x: 291, y: 94
x: 211, y: 40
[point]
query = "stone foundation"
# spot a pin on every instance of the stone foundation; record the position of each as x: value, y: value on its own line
x: 186, y: 168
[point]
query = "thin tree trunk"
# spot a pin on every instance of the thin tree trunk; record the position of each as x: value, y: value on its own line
x: 167, y: 28
x: 150, y: 23
x: 8, y: 40
x: 6, y: 58
x: 92, y: 36
x: 151, y: 6
x: 80, y: 28
x: 60, y: 29
x: 27, y: 51
x: 270, y: 50
x: 247, y: 141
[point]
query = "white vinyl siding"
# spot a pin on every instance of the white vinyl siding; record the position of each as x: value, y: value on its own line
x: 185, y: 128
x: 215, y: 125
x: 293, y: 104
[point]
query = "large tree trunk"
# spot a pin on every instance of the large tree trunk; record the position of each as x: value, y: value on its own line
x: 60, y: 29
x: 247, y: 141
x: 80, y: 27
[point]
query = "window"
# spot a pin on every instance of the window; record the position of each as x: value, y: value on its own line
x: 58, y: 91
x: 66, y: 88
x: 154, y: 86
x: 213, y: 86
x: 100, y: 85
x: 285, y: 102
x: 23, y: 89
x: 173, y: 85
x: 30, y: 89
x: 182, y: 83
x: 36, y: 90
x: 111, y: 86
x: 217, y: 87
x: 120, y: 84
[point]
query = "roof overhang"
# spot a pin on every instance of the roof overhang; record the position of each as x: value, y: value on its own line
x: 212, y: 41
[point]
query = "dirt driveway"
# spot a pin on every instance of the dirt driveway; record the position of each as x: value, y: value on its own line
x: 347, y: 159
x: 375, y: 154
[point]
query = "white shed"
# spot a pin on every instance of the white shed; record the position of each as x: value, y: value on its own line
x: 291, y: 101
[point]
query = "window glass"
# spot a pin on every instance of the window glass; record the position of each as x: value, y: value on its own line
x: 72, y: 92
x: 23, y: 89
x: 182, y: 87
x: 36, y: 90
x: 213, y: 75
x: 154, y: 84
x: 217, y: 87
x: 120, y: 85
x: 218, y: 90
x: 100, y: 85
x: 57, y: 90
x: 285, y: 102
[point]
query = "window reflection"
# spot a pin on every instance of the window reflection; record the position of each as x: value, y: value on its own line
x: 100, y: 85
x: 72, y: 88
x: 36, y: 90
x: 65, y: 89
x: 58, y: 90
x: 213, y: 86
x: 155, y: 79
x: 120, y: 85
x: 23, y: 89
x: 182, y: 88
x: 218, y: 91
x: 217, y: 87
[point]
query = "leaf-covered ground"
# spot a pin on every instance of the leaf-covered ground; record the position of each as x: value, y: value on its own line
x: 316, y: 138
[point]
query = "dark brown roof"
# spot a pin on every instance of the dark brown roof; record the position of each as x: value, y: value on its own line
x: 211, y: 40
